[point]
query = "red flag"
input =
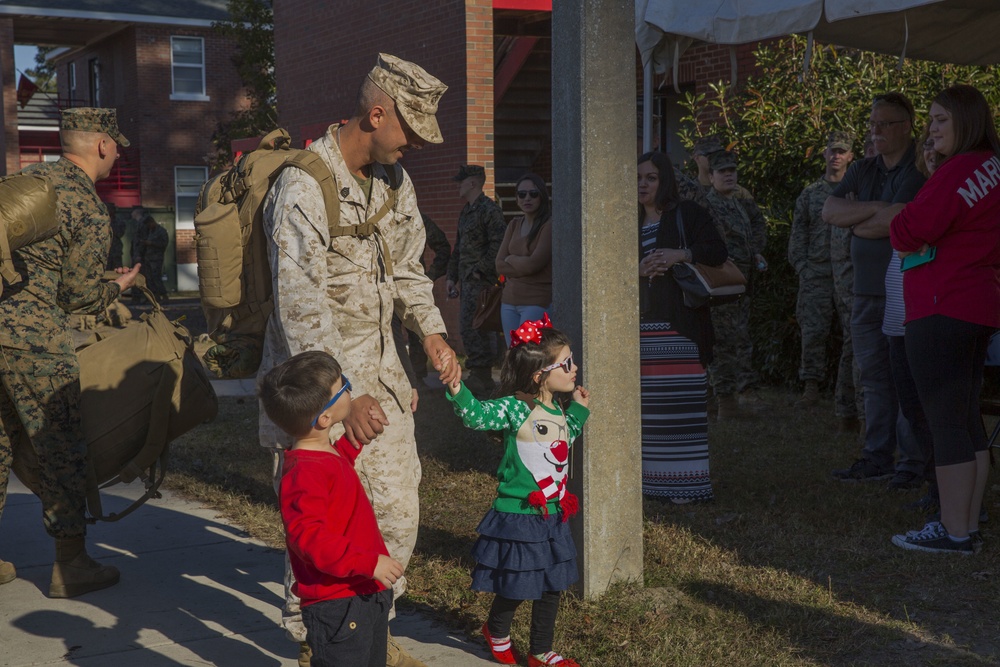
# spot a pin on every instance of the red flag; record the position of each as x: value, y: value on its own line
x: 25, y: 89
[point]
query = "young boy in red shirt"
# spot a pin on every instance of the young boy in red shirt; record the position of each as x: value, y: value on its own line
x: 343, y: 571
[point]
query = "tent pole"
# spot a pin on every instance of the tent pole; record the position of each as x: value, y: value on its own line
x: 647, y: 106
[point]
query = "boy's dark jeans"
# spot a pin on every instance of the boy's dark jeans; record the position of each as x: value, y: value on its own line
x: 348, y: 631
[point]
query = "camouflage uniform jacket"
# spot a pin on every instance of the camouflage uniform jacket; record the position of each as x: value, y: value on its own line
x: 689, y: 189
x: 480, y: 231
x: 741, y: 225
x: 437, y: 241
x: 809, y: 240
x: 158, y: 241
x: 62, y: 274
x: 335, y: 295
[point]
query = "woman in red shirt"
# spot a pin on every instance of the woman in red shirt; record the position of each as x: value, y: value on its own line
x: 953, y: 306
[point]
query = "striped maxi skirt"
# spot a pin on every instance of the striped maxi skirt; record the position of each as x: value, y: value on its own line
x: 674, y: 416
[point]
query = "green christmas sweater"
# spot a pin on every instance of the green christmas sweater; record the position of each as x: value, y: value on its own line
x: 532, y: 473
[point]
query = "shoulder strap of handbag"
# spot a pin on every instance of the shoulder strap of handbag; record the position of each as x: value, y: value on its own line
x: 680, y: 225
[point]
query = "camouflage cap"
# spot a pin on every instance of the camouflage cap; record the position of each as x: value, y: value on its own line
x: 467, y: 170
x: 93, y: 119
x: 841, y: 140
x: 707, y: 145
x: 415, y: 92
x: 722, y: 160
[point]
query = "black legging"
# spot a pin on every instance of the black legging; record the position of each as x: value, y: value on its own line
x: 543, y: 619
x: 947, y: 357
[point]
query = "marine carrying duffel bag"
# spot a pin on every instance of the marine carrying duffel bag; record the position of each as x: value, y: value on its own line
x: 142, y: 386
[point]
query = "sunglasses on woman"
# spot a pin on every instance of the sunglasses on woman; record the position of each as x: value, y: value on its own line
x: 527, y: 194
x: 340, y: 392
x: 566, y: 364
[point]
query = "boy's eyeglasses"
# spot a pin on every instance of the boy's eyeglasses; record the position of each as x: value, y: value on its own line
x: 566, y: 364
x: 528, y: 194
x: 340, y: 392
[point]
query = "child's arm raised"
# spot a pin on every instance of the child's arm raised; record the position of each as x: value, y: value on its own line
x: 493, y: 415
x: 577, y: 412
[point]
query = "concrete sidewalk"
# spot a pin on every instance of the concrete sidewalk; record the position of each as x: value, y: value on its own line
x: 194, y: 591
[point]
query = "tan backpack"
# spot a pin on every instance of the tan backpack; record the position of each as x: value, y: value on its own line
x: 27, y: 214
x: 141, y: 387
x: 234, y: 276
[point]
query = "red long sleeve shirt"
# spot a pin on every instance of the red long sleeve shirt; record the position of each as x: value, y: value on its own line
x: 958, y: 211
x: 330, y: 528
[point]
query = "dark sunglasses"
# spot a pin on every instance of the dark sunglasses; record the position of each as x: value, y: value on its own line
x: 345, y: 387
x: 566, y: 364
x: 527, y: 194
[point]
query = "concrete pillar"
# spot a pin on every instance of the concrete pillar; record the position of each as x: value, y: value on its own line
x: 595, y: 255
x: 8, y: 109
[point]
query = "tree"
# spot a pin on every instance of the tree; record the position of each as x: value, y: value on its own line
x: 43, y: 74
x: 780, y: 121
x: 251, y: 29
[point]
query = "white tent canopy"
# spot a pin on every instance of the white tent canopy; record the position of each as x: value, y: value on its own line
x: 957, y: 31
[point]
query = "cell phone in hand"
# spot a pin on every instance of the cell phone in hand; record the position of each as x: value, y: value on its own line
x: 914, y: 259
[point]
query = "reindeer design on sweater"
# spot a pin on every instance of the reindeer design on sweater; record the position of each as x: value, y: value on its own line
x: 543, y: 447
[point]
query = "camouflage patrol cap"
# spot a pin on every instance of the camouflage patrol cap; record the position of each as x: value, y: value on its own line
x: 415, y: 92
x: 93, y: 119
x: 722, y: 160
x: 467, y: 170
x: 841, y: 140
x: 707, y: 145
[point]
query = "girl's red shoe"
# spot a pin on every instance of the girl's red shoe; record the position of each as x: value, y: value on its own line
x: 551, y: 658
x: 504, y: 653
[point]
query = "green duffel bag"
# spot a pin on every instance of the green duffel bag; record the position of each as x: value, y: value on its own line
x: 27, y: 214
x: 142, y: 386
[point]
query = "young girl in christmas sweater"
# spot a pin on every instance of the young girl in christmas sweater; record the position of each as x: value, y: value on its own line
x: 525, y: 550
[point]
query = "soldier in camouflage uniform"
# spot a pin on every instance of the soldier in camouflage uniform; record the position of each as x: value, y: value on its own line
x: 338, y: 294
x: 472, y: 269
x: 702, y: 151
x: 741, y: 225
x: 154, y: 244
x: 809, y: 252
x: 39, y: 372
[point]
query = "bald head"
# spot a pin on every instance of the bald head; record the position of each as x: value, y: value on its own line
x: 81, y: 143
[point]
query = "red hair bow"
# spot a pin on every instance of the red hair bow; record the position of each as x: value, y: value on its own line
x: 530, y: 332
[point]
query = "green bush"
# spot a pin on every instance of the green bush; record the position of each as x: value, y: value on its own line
x: 779, y: 121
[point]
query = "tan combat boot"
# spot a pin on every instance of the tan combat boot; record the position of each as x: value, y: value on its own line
x: 810, y: 396
x: 305, y: 654
x: 75, y: 573
x: 752, y: 401
x: 7, y: 572
x: 729, y: 407
x: 396, y: 656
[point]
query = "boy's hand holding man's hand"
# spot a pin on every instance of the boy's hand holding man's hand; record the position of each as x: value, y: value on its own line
x: 387, y: 571
x: 366, y: 420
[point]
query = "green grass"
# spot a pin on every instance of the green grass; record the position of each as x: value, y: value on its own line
x: 785, y: 567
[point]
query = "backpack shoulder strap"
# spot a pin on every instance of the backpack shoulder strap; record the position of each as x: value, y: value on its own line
x: 313, y: 164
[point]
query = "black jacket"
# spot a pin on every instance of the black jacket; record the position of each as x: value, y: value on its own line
x: 665, y: 301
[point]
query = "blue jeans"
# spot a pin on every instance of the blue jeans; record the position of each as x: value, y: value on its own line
x: 885, y: 424
x: 514, y: 316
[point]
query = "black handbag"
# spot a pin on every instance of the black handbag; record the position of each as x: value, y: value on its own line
x: 705, y: 285
x: 487, y: 317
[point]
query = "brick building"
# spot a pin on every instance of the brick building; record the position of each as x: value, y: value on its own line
x: 171, y: 79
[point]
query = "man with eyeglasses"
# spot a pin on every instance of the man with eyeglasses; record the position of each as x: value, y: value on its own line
x: 869, y: 186
x: 472, y: 269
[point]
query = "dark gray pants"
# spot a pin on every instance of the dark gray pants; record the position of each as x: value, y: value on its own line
x: 348, y: 631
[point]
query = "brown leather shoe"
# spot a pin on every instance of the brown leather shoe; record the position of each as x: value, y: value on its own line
x: 75, y: 573
x: 7, y: 572
x: 396, y: 656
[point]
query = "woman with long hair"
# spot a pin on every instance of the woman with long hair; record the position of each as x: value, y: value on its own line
x: 675, y: 341
x: 949, y: 241
x: 525, y: 257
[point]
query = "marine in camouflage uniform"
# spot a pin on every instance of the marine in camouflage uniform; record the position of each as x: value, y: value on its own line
x: 742, y: 226
x: 39, y: 371
x: 481, y: 227
x: 154, y: 246
x: 809, y: 252
x: 338, y: 294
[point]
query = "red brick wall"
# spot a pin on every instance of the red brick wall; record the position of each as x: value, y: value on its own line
x: 8, y: 138
x: 324, y: 50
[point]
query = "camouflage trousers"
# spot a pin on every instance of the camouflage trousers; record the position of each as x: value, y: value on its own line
x: 849, y: 394
x: 731, y: 372
x: 479, y: 345
x: 40, y: 402
x: 389, y: 470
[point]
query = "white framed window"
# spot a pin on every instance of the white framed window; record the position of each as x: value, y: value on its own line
x: 187, y: 185
x: 187, y: 69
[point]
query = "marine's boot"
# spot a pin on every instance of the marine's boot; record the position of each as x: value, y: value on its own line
x: 305, y: 654
x: 810, y: 396
x: 752, y: 401
x: 75, y: 573
x: 7, y: 572
x: 729, y: 407
x: 397, y: 656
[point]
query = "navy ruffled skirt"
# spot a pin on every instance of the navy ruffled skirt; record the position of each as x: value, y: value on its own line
x: 521, y: 556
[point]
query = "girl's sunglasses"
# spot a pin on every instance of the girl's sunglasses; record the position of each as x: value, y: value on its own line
x: 566, y: 364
